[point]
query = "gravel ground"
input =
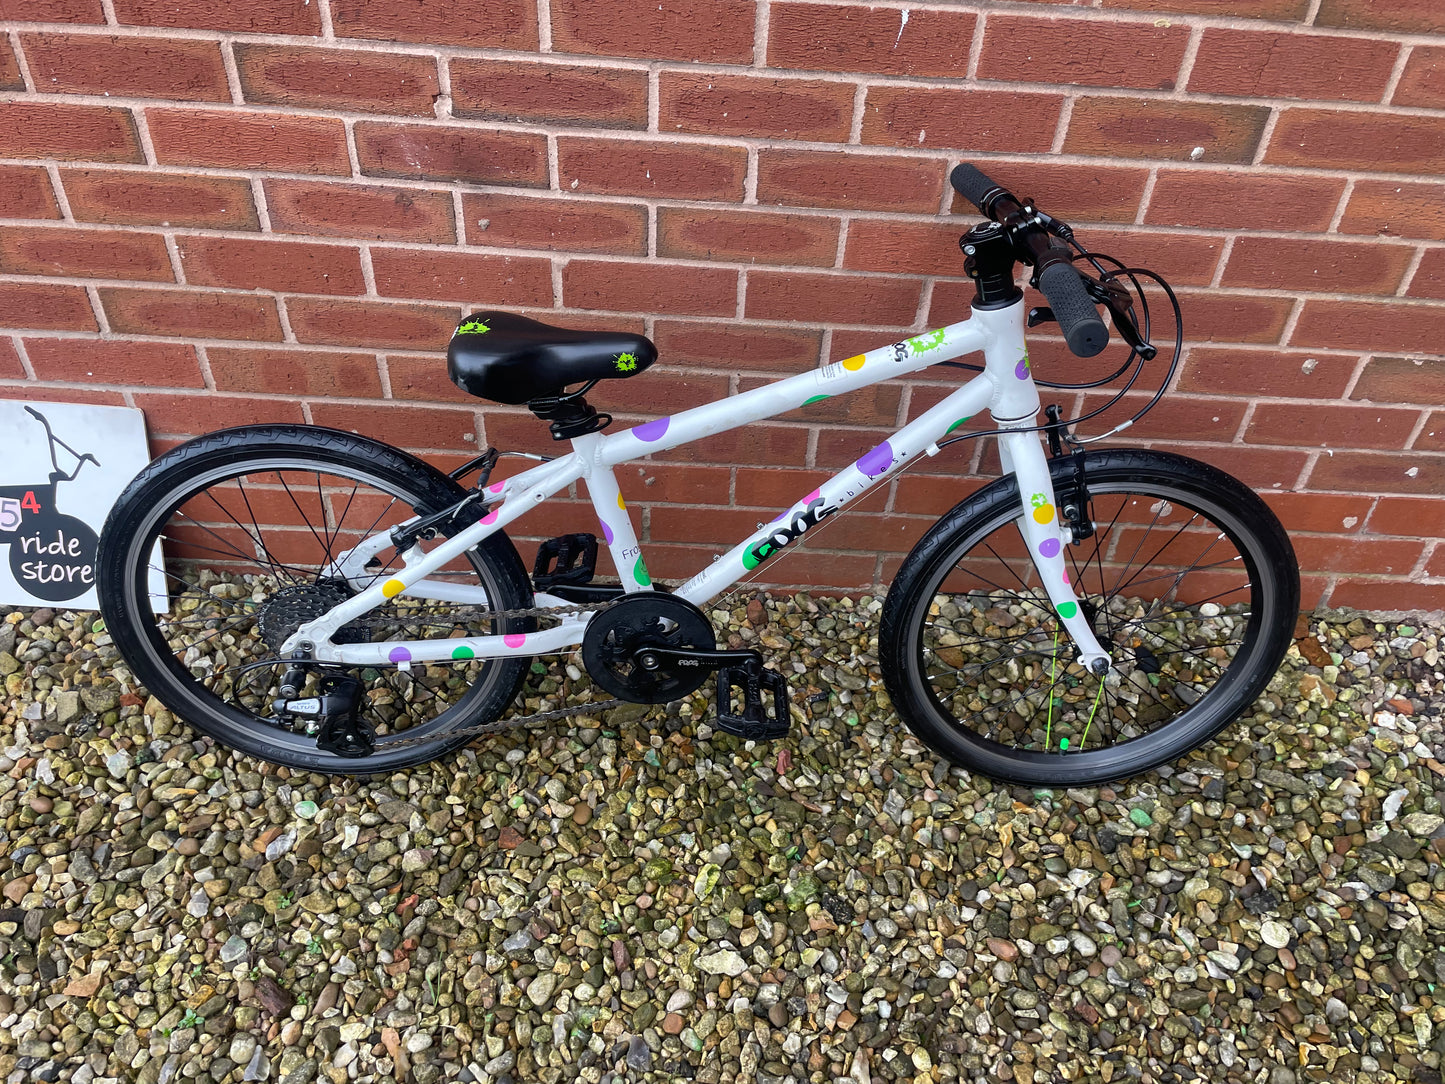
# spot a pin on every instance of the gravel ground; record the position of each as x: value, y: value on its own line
x: 640, y: 898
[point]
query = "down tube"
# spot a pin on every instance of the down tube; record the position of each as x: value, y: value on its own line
x: 871, y: 468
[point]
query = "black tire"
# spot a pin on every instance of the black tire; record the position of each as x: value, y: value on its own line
x: 229, y: 705
x: 1007, y: 704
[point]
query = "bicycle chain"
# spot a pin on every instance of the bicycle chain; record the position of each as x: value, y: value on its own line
x: 496, y: 726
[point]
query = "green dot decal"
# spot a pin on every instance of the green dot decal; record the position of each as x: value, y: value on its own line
x: 464, y: 652
x: 955, y: 425
x: 816, y: 399
x: 1068, y: 610
x: 1063, y: 743
x: 639, y: 573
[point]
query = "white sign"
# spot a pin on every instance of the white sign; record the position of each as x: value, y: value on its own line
x: 64, y: 464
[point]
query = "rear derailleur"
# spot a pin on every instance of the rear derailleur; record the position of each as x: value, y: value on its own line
x: 332, y: 716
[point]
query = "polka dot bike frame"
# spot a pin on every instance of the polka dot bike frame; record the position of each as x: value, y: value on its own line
x: 1006, y: 389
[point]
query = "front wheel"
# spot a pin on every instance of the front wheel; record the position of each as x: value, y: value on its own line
x: 1188, y: 580
x: 219, y: 550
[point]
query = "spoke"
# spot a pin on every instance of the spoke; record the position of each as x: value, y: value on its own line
x: 325, y: 547
x: 256, y: 538
x: 1149, y: 563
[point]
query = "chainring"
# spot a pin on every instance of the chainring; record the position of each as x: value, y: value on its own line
x: 646, y: 619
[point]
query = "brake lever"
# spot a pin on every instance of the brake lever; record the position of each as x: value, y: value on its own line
x: 1117, y: 299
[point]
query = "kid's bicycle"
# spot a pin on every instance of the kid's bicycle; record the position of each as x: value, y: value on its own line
x: 338, y: 605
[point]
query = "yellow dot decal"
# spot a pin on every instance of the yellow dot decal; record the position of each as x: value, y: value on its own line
x: 1044, y: 513
x: 620, y: 502
x: 392, y: 588
x: 854, y: 363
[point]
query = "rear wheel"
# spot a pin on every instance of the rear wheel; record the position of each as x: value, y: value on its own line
x: 1188, y: 580
x: 220, y: 549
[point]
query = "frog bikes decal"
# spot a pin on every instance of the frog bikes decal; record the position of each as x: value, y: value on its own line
x: 786, y: 533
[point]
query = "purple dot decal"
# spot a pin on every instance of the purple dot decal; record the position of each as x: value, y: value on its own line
x: 606, y: 531
x: 651, y: 430
x: 514, y: 639
x: 875, y: 462
x: 1049, y: 547
x: 1022, y: 369
x: 399, y: 654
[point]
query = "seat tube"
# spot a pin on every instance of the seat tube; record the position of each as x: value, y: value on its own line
x: 613, y: 519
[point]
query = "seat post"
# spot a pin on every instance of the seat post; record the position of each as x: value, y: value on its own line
x: 571, y: 415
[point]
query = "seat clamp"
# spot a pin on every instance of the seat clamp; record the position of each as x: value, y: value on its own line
x: 570, y: 415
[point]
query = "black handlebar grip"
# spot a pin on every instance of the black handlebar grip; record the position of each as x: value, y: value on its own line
x: 971, y: 183
x: 1074, y: 309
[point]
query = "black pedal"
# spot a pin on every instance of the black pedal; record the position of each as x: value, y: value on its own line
x: 569, y: 559
x: 333, y: 717
x: 755, y: 723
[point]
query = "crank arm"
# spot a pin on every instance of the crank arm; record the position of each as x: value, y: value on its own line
x: 652, y: 658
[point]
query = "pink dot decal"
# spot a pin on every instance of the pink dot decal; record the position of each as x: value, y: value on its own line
x: 606, y: 531
x: 1049, y: 547
x: 1067, y: 581
x: 875, y: 462
x: 496, y: 487
x: 514, y: 639
x: 399, y: 654
x: 651, y: 430
x: 491, y: 517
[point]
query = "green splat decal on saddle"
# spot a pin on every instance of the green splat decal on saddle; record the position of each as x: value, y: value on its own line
x: 472, y: 327
x: 626, y: 363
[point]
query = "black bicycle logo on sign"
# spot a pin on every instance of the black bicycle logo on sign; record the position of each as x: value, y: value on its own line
x: 52, y: 555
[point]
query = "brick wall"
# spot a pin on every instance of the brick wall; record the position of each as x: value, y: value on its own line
x: 278, y: 209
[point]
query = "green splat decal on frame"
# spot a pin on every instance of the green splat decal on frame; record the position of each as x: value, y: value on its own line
x: 626, y: 363
x: 472, y: 327
x: 639, y: 573
x: 816, y: 399
x: 929, y: 340
x: 1038, y: 500
x: 957, y: 424
x: 1068, y: 610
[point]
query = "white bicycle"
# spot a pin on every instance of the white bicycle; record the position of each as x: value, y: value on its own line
x: 337, y: 605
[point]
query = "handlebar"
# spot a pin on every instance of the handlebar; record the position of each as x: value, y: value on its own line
x: 1039, y: 241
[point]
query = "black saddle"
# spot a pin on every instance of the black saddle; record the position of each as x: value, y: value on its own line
x: 510, y: 359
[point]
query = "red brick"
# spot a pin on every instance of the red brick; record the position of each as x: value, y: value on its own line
x: 651, y: 484
x: 849, y: 179
x: 1373, y: 141
x: 127, y: 67
x: 838, y: 38
x: 1177, y: 417
x: 739, y: 349
x: 1326, y: 425
x: 193, y: 415
x: 1239, y: 318
x: 837, y: 446
x: 1323, y: 512
x: 424, y: 379
x: 1423, y: 81
x: 909, y: 248
x: 10, y: 77
x: 25, y: 192
x: 294, y: 372
x: 571, y: 225
x: 500, y: 24
x: 191, y: 313
x: 1229, y: 370
x: 1240, y: 200
x: 550, y: 93
x: 1380, y: 472
x: 1280, y: 10
x: 663, y: 392
x: 51, y: 11
x: 1432, y: 436
x: 1371, y: 325
x: 405, y: 426
x: 1328, y: 553
x: 1143, y: 55
x: 1407, y: 16
x: 68, y: 132
x: 65, y: 393
x: 1158, y: 128
x: 1277, y: 263
x: 159, y: 199
x: 843, y: 299
x: 717, y: 31
x: 745, y: 105
x: 1396, y: 209
x: 651, y: 287
x: 1381, y: 596
x: 366, y: 82
x: 1275, y: 64
x: 1184, y: 259
x: 914, y: 116
x: 245, y: 264
x: 232, y: 139
x: 1416, y: 517
x: 473, y: 277
x: 1429, y: 277
x: 10, y: 367
x: 451, y: 153
x: 1402, y: 380
x: 252, y: 17
x: 115, y: 361
x: 747, y: 236
x: 1088, y: 193
x: 353, y: 210
x: 33, y: 304
x: 381, y: 324
x: 104, y: 254
x: 636, y: 167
